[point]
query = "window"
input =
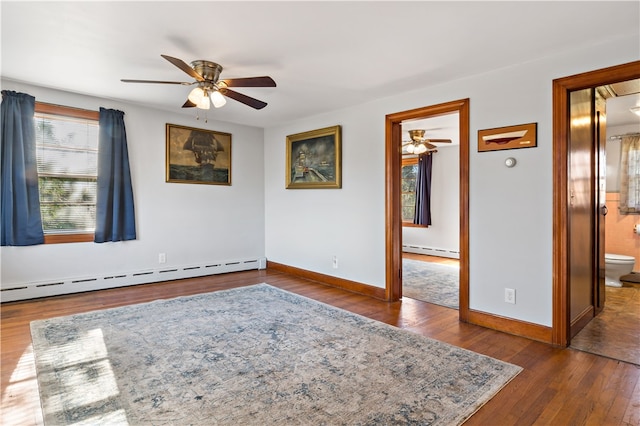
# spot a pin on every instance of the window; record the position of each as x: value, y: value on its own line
x: 67, y: 156
x: 408, y: 189
x: 630, y: 175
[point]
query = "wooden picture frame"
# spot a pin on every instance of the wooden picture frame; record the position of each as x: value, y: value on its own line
x: 314, y: 159
x: 197, y: 156
x: 511, y: 137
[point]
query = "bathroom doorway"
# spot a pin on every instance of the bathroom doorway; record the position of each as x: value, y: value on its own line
x: 567, y: 295
x: 613, y: 331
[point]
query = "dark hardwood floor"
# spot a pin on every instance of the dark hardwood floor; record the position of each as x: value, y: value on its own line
x: 557, y: 387
x: 614, y: 333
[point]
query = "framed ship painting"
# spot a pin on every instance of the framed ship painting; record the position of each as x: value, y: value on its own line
x: 314, y: 159
x: 521, y: 136
x: 197, y: 156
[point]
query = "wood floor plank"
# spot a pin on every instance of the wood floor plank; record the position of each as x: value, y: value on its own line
x: 557, y: 387
x: 632, y: 414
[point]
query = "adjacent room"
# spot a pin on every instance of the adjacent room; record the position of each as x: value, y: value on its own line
x: 330, y: 213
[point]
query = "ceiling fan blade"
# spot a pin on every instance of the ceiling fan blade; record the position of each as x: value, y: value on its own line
x: 247, y: 100
x: 438, y: 140
x: 250, y: 82
x: 430, y: 146
x: 184, y: 83
x: 184, y: 67
x: 188, y: 104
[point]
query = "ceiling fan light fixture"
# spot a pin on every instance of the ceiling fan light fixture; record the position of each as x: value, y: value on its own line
x: 217, y: 99
x: 196, y: 95
x: 420, y: 149
x: 410, y: 148
x: 200, y: 98
x: 205, y: 103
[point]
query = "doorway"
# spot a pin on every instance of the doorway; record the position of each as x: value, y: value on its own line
x: 430, y: 203
x: 565, y: 323
x: 393, y: 229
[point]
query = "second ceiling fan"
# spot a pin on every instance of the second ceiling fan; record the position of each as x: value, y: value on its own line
x: 419, y: 144
x: 210, y: 89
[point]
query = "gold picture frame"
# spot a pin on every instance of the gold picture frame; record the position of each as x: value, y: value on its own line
x: 197, y: 156
x: 511, y: 137
x: 314, y: 159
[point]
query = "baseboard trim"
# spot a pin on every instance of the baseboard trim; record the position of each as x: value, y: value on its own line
x: 430, y: 251
x: 55, y: 287
x: 352, y: 286
x: 516, y: 327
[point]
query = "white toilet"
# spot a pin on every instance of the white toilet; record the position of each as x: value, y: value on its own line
x: 615, y: 266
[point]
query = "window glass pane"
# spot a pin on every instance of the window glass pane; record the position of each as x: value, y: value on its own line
x: 408, y: 185
x: 409, y: 171
x: 68, y: 162
x: 66, y: 146
x: 68, y: 218
x: 408, y: 206
x: 67, y: 155
x: 408, y: 189
x: 62, y: 190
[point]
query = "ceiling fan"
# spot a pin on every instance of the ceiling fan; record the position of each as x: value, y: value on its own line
x: 210, y: 89
x: 419, y: 144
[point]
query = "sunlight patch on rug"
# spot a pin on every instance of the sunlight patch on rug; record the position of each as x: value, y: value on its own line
x: 255, y: 355
x: 431, y: 282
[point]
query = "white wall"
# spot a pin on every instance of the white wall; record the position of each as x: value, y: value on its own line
x: 510, y: 209
x: 444, y: 232
x: 191, y: 223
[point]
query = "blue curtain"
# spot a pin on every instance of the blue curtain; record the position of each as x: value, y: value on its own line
x: 422, y: 214
x: 115, y: 218
x: 20, y: 199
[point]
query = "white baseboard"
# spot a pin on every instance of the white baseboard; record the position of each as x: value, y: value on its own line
x: 33, y: 290
x: 431, y: 251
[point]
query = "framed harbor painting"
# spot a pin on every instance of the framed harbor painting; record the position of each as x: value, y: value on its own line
x: 197, y: 156
x: 521, y: 136
x: 314, y: 159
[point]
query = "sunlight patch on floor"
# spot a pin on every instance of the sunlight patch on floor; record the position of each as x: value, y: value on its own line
x: 83, y: 375
x: 18, y: 397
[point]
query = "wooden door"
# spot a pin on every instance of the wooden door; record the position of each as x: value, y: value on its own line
x: 600, y: 202
x: 581, y: 211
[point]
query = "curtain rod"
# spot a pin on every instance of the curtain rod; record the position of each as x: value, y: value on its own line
x: 626, y: 134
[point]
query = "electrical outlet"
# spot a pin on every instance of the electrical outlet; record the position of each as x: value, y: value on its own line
x: 162, y: 258
x: 335, y: 262
x: 510, y: 295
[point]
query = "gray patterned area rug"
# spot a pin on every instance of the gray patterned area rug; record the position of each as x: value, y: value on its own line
x: 255, y: 355
x: 431, y: 282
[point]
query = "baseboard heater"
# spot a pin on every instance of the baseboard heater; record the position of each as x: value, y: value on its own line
x: 34, y: 290
x: 431, y: 251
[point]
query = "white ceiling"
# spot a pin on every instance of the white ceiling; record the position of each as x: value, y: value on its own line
x: 323, y: 55
x: 619, y: 113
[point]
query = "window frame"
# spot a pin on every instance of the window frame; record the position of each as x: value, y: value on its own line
x: 408, y: 161
x: 45, y: 108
